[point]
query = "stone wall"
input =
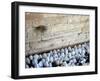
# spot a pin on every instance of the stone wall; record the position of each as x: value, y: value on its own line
x: 49, y: 31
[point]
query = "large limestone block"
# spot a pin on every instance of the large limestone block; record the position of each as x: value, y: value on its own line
x: 61, y: 30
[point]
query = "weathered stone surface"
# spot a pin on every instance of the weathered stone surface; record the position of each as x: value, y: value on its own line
x: 61, y: 30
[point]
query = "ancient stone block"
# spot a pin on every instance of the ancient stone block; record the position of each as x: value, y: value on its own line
x: 60, y: 30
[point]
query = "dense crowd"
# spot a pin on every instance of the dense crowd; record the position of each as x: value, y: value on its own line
x: 77, y: 55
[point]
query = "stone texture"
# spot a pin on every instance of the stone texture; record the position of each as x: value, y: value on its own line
x: 61, y: 30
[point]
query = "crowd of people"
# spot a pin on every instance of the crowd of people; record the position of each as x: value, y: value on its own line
x: 77, y: 55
